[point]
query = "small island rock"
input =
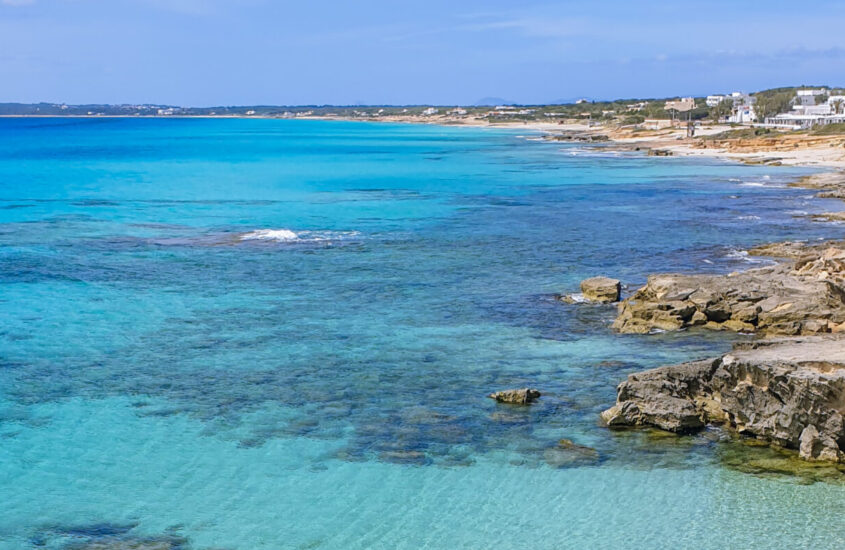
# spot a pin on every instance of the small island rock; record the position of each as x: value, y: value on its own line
x: 522, y: 396
x: 601, y: 289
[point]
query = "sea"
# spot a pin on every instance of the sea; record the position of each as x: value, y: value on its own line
x: 281, y: 334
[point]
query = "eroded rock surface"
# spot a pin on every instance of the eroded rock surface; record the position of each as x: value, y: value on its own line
x: 522, y: 396
x: 601, y: 289
x: 789, y: 392
x: 802, y: 296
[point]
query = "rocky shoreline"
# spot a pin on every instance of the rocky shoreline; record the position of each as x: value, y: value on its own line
x: 787, y: 386
x: 788, y: 392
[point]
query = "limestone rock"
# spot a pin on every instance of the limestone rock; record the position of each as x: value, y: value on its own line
x: 789, y: 392
x: 522, y: 396
x: 806, y: 296
x: 601, y: 289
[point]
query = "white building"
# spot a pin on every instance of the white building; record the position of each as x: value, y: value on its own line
x: 805, y: 113
x: 797, y: 122
x: 837, y: 104
x: 808, y: 97
x: 430, y: 111
x: 812, y: 110
x: 743, y: 114
x: 713, y: 100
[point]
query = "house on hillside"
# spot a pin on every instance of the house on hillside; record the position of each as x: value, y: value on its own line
x: 743, y: 114
x: 808, y: 97
x: 681, y: 105
x: 807, y: 111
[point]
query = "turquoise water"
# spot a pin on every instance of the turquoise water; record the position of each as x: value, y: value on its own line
x: 257, y: 334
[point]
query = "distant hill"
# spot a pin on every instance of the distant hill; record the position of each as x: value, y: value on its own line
x: 569, y: 100
x: 492, y: 102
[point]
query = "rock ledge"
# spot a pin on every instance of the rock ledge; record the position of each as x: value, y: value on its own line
x: 789, y: 392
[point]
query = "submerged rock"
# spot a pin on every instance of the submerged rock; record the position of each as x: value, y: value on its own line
x: 787, y: 392
x: 413, y: 458
x: 522, y: 396
x: 806, y: 296
x: 567, y: 453
x: 601, y: 289
x: 132, y: 544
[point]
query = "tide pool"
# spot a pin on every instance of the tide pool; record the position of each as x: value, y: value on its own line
x: 262, y: 334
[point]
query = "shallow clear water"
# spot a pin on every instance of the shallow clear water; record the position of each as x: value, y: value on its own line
x: 262, y: 334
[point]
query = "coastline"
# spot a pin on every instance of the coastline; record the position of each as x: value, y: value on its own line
x: 784, y: 386
x: 785, y: 150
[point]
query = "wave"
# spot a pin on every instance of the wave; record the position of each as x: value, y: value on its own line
x: 288, y: 236
x: 753, y: 184
x: 278, y: 235
x: 748, y: 217
x: 742, y: 255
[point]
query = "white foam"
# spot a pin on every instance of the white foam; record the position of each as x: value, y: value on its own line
x: 748, y: 217
x: 288, y: 236
x: 745, y: 257
x: 279, y: 235
x: 753, y: 184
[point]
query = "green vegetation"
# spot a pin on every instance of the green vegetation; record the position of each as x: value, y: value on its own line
x: 721, y: 110
x: 741, y: 133
x: 770, y: 103
x: 828, y: 129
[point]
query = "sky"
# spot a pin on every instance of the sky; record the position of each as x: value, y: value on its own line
x: 344, y: 52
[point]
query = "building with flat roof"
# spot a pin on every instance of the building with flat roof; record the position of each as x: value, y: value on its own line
x: 682, y: 105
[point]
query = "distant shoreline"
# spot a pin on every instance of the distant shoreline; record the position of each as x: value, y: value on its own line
x: 795, y: 150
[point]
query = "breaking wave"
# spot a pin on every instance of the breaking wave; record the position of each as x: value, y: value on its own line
x: 289, y: 236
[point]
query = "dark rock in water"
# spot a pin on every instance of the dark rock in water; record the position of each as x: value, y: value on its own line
x: 601, y: 289
x: 787, y: 392
x: 581, y: 137
x: 568, y: 454
x: 523, y: 396
x: 168, y: 543
x: 414, y: 458
x: 660, y: 153
x: 806, y: 296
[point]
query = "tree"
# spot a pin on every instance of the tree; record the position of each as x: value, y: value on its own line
x: 770, y: 104
x: 722, y: 109
x: 838, y: 105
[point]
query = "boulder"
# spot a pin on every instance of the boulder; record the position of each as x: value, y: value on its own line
x: 601, y: 289
x: 788, y: 392
x: 522, y: 396
x: 818, y: 447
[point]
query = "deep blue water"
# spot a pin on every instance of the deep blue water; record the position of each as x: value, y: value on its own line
x: 260, y: 334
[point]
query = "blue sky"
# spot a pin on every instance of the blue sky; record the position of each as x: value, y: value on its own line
x: 238, y: 52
